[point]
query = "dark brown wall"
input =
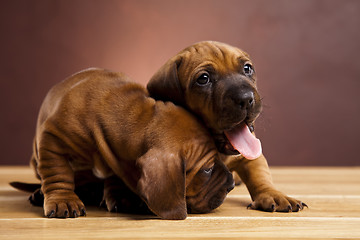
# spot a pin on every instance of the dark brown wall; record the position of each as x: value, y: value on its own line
x: 306, y: 55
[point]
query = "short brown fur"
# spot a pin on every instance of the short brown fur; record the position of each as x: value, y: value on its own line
x: 99, y: 120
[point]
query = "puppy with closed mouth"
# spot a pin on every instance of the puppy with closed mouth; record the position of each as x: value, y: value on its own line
x: 99, y: 120
x: 217, y: 83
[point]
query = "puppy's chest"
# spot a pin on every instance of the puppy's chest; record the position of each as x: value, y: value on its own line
x: 93, y: 162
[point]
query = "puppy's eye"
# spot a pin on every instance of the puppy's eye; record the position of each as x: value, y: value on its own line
x: 208, y: 171
x: 203, y: 79
x: 248, y: 70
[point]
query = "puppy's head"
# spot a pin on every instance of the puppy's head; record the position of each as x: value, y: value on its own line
x: 173, y: 185
x: 215, y: 81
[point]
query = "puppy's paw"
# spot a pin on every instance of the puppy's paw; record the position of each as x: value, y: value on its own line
x: 119, y: 198
x: 63, y: 205
x: 275, y: 201
x: 124, y: 203
x: 113, y: 204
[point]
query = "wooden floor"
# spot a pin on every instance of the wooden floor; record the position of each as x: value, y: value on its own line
x: 332, y: 194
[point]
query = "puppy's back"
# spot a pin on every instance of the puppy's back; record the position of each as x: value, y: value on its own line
x: 96, y: 107
x: 80, y: 90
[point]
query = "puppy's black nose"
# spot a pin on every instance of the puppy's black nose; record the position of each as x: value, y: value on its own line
x: 245, y: 99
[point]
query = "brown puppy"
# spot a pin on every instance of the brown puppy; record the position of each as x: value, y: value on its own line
x: 99, y: 120
x: 217, y: 82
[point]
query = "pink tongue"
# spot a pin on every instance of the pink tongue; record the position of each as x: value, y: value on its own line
x: 245, y: 142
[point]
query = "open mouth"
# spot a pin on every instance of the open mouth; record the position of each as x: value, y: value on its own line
x: 239, y: 140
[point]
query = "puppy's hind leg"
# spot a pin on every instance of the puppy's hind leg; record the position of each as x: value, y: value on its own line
x: 119, y: 198
x: 58, y: 185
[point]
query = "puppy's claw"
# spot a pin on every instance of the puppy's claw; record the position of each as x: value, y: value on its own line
x: 82, y: 212
x: 51, y: 214
x: 300, y: 206
x: 102, y: 204
x: 254, y: 206
x: 289, y: 208
x: 66, y: 214
x: 271, y: 208
x: 75, y: 214
x: 285, y: 209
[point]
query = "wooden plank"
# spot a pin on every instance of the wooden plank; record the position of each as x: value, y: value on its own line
x: 333, y: 196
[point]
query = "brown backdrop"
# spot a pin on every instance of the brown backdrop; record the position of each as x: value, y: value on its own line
x: 306, y: 55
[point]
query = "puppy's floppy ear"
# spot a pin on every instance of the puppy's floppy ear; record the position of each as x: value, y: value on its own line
x: 162, y: 184
x: 165, y: 84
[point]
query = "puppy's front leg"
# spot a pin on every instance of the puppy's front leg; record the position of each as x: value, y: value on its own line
x: 58, y: 185
x: 257, y: 178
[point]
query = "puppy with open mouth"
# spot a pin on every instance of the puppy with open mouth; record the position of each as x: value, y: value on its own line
x: 217, y: 83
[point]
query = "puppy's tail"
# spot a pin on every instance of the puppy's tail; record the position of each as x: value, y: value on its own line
x: 26, y: 187
x: 36, y: 198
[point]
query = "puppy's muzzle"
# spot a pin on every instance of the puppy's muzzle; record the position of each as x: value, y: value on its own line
x: 241, y: 96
